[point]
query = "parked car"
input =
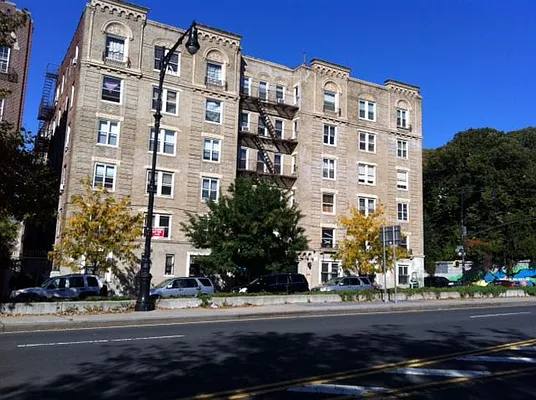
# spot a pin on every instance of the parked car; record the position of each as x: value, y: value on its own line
x: 346, y: 283
x: 185, y: 286
x: 73, y: 286
x: 277, y: 283
x: 439, y: 281
x: 506, y: 283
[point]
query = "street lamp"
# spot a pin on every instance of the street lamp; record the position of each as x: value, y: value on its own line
x: 144, y: 303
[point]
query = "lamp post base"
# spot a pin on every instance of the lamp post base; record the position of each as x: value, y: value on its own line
x: 144, y: 302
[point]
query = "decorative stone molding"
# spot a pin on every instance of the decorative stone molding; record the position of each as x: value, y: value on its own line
x: 331, y: 86
x: 120, y: 10
x: 402, y: 88
x: 330, y: 69
x: 118, y: 29
x: 218, y: 40
x: 215, y: 54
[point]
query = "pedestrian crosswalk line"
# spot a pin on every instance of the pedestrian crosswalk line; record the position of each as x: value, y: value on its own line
x: 521, y: 360
x: 450, y: 373
x: 344, y: 390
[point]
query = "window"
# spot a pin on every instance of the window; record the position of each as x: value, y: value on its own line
x: 115, y: 48
x: 403, y: 277
x: 163, y: 182
x: 402, y: 180
x: 213, y: 111
x: 77, y: 282
x: 211, y: 150
x: 166, y: 141
x: 403, y: 212
x: 169, y: 100
x: 169, y: 268
x: 294, y: 165
x: 295, y: 129
x: 367, y: 110
x: 209, y: 188
x: 111, y: 89
x: 366, y: 205
x: 328, y: 237
x: 280, y: 94
x: 173, y: 65
x: 244, y: 121
x: 329, y: 271
x: 1, y: 109
x: 261, y: 166
x: 263, y: 90
x: 278, y: 163
x: 108, y: 132
x: 67, y: 138
x: 104, y: 176
x: 366, y: 174
x: 402, y: 148
x: 330, y: 99
x: 401, y: 118
x: 246, y: 86
x: 279, y: 128
x: 262, y: 130
x: 72, y: 96
x: 243, y: 158
x: 296, y: 94
x: 328, y: 203
x: 328, y: 168
x: 329, y: 134
x: 161, y: 226
x: 367, y: 142
x: 214, y: 74
x: 4, y: 59
x: 92, y: 281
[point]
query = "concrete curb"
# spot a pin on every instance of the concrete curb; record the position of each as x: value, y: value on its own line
x: 14, y: 324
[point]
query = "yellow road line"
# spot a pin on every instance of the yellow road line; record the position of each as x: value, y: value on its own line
x: 243, y: 393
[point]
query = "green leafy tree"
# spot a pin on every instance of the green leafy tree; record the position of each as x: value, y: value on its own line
x: 100, y: 233
x: 253, y: 227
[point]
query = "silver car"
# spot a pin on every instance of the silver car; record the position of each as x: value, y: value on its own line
x: 345, y: 283
x: 73, y: 286
x: 178, y: 287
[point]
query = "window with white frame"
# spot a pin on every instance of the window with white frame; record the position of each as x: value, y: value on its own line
x: 4, y: 59
x: 67, y: 137
x: 367, y: 110
x: 366, y: 174
x: 213, y: 111
x: 366, y: 205
x: 111, y: 89
x: 402, y: 212
x: 167, y: 140
x: 115, y: 48
x: 330, y: 101
x: 2, y: 109
x: 71, y: 100
x: 163, y: 182
x: 169, y: 267
x: 162, y: 223
x: 402, y: 118
x: 278, y: 164
x: 243, y: 158
x: 173, y: 65
x: 169, y: 101
x: 246, y: 86
x: 280, y: 93
x: 403, y: 276
x: 211, y: 150
x: 401, y: 148
x: 244, y: 121
x: 294, y: 164
x: 262, y: 129
x: 209, y: 188
x: 330, y: 134
x: 263, y: 90
x: 214, y: 73
x: 108, y: 132
x: 367, y: 142
x: 261, y: 165
x: 279, y: 128
x: 296, y: 94
x: 329, y: 271
x: 328, y: 238
x: 328, y: 168
x: 104, y: 176
x: 295, y: 128
x: 328, y: 203
x: 402, y: 179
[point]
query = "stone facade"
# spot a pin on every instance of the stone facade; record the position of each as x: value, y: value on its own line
x: 212, y: 126
x: 14, y: 65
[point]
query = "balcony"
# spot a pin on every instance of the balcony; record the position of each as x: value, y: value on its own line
x: 282, y: 180
x: 277, y: 100
x: 285, y: 144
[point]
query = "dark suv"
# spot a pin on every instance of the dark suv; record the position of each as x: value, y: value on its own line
x: 277, y: 283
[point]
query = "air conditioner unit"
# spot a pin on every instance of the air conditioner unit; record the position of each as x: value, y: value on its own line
x: 280, y: 100
x: 244, y: 128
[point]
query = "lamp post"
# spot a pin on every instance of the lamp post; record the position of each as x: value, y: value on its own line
x: 144, y: 303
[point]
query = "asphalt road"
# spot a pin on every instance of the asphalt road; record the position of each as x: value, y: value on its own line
x: 486, y: 353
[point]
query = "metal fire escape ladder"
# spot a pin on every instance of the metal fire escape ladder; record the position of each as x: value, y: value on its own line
x: 268, y: 122
x: 265, y: 158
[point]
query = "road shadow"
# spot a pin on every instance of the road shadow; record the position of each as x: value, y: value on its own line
x: 239, y: 359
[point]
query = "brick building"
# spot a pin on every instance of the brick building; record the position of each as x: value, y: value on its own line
x: 14, y: 64
x: 332, y: 139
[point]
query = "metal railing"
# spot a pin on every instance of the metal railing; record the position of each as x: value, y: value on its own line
x: 262, y: 131
x: 271, y: 94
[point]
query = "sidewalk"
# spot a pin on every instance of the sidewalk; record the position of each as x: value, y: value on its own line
x: 58, y: 322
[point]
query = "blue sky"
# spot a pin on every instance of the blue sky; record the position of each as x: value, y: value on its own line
x: 474, y: 60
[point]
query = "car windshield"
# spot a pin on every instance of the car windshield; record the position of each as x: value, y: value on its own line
x: 333, y: 282
x: 45, y: 283
x: 163, y: 284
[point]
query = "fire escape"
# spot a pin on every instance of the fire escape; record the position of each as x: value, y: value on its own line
x: 46, y: 111
x: 268, y: 104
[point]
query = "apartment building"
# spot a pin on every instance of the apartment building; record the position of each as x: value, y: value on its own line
x: 14, y: 64
x: 331, y: 139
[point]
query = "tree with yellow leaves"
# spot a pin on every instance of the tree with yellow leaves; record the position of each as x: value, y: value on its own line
x: 102, y: 232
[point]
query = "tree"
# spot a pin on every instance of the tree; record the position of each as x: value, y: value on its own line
x: 252, y: 228
x: 361, y: 250
x: 102, y: 232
